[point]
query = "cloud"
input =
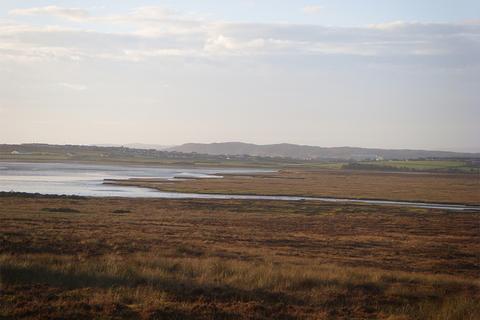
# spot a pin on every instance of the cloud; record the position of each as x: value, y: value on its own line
x: 221, y: 43
x: 65, y: 13
x: 73, y: 86
x: 156, y: 32
x: 312, y: 9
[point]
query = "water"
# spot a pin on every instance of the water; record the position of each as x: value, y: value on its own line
x: 87, y: 180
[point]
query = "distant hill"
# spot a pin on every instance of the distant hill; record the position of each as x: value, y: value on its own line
x: 311, y: 152
x: 136, y: 146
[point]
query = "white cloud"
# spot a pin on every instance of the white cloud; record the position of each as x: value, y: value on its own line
x: 312, y: 9
x: 158, y: 32
x: 65, y: 13
x: 221, y: 43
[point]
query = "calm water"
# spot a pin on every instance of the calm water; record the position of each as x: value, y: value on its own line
x: 87, y: 180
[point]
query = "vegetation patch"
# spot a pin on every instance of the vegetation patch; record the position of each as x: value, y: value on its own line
x: 4, y: 194
x: 121, y: 211
x: 446, y: 166
x: 61, y: 210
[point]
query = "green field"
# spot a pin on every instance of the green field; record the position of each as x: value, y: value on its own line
x: 426, y: 165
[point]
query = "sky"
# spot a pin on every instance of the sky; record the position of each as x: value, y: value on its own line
x: 370, y: 73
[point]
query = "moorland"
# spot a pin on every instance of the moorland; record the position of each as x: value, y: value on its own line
x: 86, y: 258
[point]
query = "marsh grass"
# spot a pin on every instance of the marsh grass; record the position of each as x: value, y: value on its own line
x: 356, y: 184
x: 205, y: 259
x: 147, y: 282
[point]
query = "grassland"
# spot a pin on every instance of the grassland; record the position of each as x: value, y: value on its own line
x: 459, y: 166
x: 88, y: 258
x: 427, y: 187
x: 422, y: 164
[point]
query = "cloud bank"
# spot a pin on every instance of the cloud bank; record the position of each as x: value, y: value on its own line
x: 155, y: 32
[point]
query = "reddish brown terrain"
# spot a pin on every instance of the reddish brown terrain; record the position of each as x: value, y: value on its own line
x: 210, y: 259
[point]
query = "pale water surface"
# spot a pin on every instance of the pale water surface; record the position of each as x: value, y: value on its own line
x: 87, y: 180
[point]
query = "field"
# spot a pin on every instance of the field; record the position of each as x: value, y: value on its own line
x: 460, y: 166
x: 208, y: 259
x: 427, y: 187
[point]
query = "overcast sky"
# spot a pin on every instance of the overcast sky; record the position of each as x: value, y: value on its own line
x: 370, y: 73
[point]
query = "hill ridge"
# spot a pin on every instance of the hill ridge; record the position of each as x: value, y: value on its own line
x: 296, y: 151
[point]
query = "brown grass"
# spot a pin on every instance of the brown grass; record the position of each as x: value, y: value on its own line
x: 428, y: 187
x: 212, y: 259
